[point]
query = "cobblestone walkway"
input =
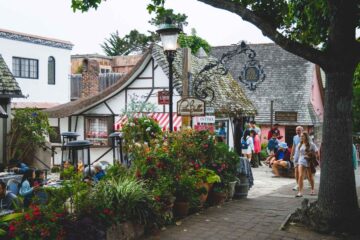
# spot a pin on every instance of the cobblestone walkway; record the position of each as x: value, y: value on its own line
x: 258, y: 217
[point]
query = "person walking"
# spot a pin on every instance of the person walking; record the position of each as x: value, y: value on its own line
x: 303, y: 153
x: 247, y: 145
x: 296, y: 140
x: 257, y: 149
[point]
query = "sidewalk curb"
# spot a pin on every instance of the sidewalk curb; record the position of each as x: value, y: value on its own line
x: 284, y: 223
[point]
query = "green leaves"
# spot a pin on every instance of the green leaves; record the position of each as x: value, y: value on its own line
x: 132, y: 43
x: 193, y: 42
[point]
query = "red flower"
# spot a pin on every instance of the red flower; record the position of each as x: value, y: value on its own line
x: 197, y: 166
x: 107, y: 211
x: 148, y: 159
x: 159, y: 165
x: 28, y: 217
x: 206, y: 145
x: 157, y: 198
x: 12, y: 228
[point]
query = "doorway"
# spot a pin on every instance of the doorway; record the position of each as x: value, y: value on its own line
x: 290, y: 132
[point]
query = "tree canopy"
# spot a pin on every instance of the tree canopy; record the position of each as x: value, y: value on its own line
x: 135, y: 42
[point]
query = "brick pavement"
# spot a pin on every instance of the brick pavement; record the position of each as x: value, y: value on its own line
x: 257, y: 217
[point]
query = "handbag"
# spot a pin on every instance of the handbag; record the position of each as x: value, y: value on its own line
x: 310, y: 156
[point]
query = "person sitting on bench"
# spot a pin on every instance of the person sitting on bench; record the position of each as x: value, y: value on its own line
x: 282, y: 159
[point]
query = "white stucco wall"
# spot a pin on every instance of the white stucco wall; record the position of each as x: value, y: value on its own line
x: 38, y: 90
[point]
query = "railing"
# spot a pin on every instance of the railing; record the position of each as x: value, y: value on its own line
x: 105, y: 81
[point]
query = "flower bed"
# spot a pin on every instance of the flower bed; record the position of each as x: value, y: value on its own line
x: 167, y: 169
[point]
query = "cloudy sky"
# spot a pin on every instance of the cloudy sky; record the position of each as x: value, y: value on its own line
x: 55, y: 18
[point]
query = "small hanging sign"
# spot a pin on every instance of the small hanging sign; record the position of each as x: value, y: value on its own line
x: 191, y: 107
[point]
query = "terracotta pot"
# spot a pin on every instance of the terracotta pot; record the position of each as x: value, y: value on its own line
x: 203, y: 197
x: 218, y: 198
x: 181, y: 209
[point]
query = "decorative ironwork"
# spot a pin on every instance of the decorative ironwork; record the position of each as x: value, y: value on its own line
x: 251, y: 75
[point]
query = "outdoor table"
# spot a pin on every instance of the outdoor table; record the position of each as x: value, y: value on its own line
x: 5, y: 177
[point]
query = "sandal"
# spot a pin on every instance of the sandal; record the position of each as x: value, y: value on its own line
x: 312, y: 193
x: 298, y: 195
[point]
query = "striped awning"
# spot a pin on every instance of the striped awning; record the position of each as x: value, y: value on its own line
x: 161, y: 118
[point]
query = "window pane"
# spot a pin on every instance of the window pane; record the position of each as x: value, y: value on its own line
x: 97, y: 130
x: 16, y: 67
x: 33, y: 68
x: 24, y: 68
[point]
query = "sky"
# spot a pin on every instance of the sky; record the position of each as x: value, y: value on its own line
x: 56, y: 19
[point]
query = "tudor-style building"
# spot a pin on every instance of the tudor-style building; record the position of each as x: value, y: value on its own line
x: 40, y: 65
x: 95, y: 117
x: 293, y: 84
x: 9, y: 89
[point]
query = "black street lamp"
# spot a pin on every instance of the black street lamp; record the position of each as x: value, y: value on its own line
x: 169, y: 34
x: 117, y: 147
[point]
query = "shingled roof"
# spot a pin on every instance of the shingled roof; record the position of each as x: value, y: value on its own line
x: 288, y: 82
x: 8, y: 85
x: 229, y: 98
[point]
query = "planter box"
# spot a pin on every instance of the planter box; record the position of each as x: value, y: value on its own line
x: 125, y: 231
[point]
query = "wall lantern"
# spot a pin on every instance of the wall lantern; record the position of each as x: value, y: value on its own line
x: 117, y: 138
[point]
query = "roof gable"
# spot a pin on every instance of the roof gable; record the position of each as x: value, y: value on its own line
x: 8, y: 84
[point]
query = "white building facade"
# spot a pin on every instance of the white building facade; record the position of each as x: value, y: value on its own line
x: 40, y: 65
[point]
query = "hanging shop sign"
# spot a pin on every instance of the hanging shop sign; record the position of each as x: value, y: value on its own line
x: 285, y: 116
x: 191, y: 107
x: 163, y: 97
x: 205, y: 119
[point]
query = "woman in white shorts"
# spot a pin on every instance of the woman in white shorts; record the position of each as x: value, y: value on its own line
x: 300, y: 161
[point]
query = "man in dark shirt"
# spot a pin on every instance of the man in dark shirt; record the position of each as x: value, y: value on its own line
x: 8, y: 200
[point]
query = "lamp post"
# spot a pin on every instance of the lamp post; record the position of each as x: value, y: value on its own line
x: 117, y: 147
x: 169, y: 34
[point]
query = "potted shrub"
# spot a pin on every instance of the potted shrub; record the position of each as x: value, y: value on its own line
x: 218, y: 194
x: 207, y: 178
x: 185, y: 191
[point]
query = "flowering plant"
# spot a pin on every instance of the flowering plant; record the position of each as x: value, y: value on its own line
x: 38, y: 223
x: 140, y: 130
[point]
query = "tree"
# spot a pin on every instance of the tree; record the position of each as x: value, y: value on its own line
x: 323, y: 32
x: 132, y: 43
x: 136, y: 42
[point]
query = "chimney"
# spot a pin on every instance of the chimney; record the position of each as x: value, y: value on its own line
x: 90, y: 78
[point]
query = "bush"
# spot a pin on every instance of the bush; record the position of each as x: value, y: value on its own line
x: 123, y: 199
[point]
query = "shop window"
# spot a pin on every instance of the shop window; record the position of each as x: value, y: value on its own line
x: 97, y: 130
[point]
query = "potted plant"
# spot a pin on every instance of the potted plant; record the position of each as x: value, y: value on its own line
x: 218, y: 194
x: 185, y: 191
x: 207, y: 178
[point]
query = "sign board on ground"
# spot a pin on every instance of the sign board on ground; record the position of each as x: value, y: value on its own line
x: 285, y: 116
x: 163, y: 97
x: 191, y: 107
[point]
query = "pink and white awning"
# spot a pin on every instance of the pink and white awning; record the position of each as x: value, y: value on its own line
x: 161, y: 118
